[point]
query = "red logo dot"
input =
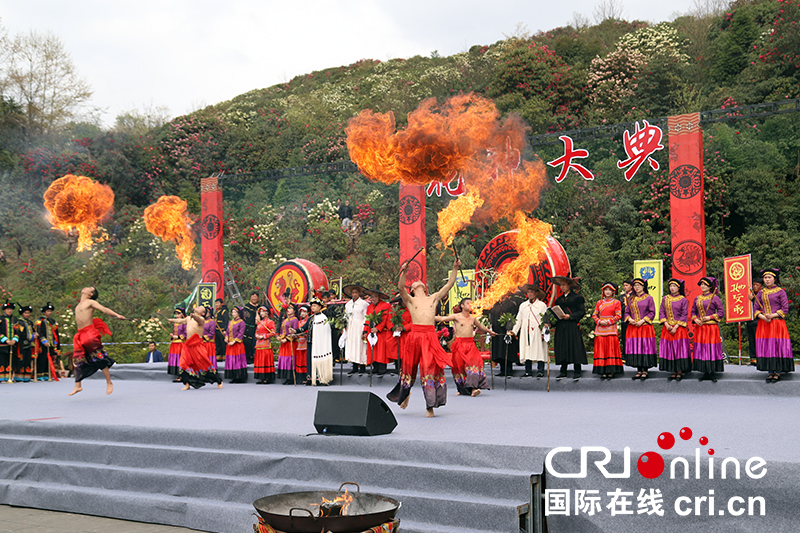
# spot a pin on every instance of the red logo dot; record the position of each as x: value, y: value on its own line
x: 666, y: 440
x: 703, y: 441
x: 686, y: 433
x: 650, y: 465
x: 711, y: 451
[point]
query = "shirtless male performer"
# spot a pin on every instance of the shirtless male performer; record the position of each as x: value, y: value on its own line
x: 195, y: 367
x: 423, y: 348
x: 467, y: 361
x: 89, y: 356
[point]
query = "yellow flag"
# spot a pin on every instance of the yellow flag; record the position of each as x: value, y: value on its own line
x: 461, y: 289
x: 652, y: 271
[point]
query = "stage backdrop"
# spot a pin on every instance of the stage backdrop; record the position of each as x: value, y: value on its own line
x: 211, y: 233
x: 412, y: 231
x: 687, y: 214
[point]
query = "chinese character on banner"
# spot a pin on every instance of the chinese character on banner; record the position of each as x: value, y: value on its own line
x: 507, y: 160
x: 566, y: 160
x: 738, y: 280
x: 587, y: 502
x: 639, y: 147
x: 619, y: 503
x: 650, y: 502
x: 453, y: 190
x: 556, y: 502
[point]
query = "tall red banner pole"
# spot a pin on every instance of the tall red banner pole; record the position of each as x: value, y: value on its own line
x: 412, y: 231
x: 211, y: 232
x: 687, y: 209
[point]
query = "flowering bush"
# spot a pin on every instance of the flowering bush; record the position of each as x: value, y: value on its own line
x: 661, y: 40
x: 613, y: 79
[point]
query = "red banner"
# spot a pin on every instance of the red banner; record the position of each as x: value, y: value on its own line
x: 738, y: 280
x: 211, y: 232
x: 687, y: 211
x: 412, y: 231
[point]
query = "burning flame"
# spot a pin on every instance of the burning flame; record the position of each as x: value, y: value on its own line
x: 78, y: 202
x: 335, y: 507
x: 464, y: 135
x: 168, y: 219
x: 531, y: 243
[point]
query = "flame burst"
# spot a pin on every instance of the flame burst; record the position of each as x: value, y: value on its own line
x: 531, y: 243
x: 168, y: 219
x: 78, y: 202
x: 462, y: 136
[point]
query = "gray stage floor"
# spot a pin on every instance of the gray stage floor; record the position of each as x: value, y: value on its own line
x: 736, y: 425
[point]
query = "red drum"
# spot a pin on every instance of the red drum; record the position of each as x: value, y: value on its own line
x: 501, y: 251
x: 303, y: 279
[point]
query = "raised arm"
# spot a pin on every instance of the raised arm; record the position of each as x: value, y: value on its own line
x: 401, y: 284
x: 450, y: 282
x: 95, y: 305
x: 448, y: 318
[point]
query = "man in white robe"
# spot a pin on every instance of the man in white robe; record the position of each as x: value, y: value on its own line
x: 320, y: 351
x: 529, y: 329
x: 355, y: 348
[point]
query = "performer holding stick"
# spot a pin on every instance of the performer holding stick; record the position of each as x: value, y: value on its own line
x: 89, y: 356
x: 423, y: 348
x: 8, y: 338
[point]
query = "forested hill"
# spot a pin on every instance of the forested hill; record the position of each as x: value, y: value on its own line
x: 567, y: 78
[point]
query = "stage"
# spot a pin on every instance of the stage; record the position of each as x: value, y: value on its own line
x: 199, y: 458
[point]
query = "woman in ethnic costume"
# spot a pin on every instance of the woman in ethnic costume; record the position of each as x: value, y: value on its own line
x: 674, y: 349
x: 197, y: 369
x: 707, y: 312
x: 265, y: 359
x: 235, y: 356
x: 569, y: 346
x: 288, y: 348
x: 640, y: 341
x: 607, y: 312
x: 773, y: 346
x: 178, y: 336
x: 627, y: 293
x: 301, y: 353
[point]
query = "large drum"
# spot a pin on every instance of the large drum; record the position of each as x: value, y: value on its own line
x: 300, y: 277
x: 501, y: 251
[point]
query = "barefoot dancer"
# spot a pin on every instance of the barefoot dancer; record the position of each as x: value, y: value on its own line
x: 196, y: 368
x: 89, y: 355
x: 467, y: 361
x: 423, y: 348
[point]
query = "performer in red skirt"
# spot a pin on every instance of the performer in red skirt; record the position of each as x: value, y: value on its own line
x: 265, y: 358
x: 607, y: 313
x: 301, y: 352
x: 196, y: 368
x: 288, y: 338
x: 706, y: 313
x: 640, y: 340
x: 378, y: 354
x: 674, y: 349
x: 89, y: 356
x: 467, y: 361
x: 773, y: 346
x: 423, y: 347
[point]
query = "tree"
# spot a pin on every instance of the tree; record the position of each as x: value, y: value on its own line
x: 41, y: 77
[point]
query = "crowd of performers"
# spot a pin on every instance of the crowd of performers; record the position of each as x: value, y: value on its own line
x: 373, y: 330
x: 634, y: 344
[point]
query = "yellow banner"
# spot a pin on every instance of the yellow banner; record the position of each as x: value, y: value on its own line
x: 652, y: 271
x: 462, y: 288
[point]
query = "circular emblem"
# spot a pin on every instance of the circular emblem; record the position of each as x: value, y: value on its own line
x: 688, y: 257
x: 736, y: 271
x: 685, y: 181
x: 212, y: 276
x: 410, y: 209
x: 210, y: 227
x: 414, y: 272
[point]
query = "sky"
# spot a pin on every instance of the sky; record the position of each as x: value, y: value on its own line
x: 184, y: 55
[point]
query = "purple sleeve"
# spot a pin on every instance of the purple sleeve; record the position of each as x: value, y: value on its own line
x: 663, y: 311
x: 182, y: 330
x: 682, y: 314
x: 627, y: 311
x: 757, y: 307
x: 208, y: 328
x: 783, y: 303
x: 719, y: 307
x: 238, y: 330
x: 649, y: 308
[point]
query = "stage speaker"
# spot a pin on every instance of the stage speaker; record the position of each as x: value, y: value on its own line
x: 352, y: 413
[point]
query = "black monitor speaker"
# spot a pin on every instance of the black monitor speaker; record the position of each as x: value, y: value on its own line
x: 352, y: 413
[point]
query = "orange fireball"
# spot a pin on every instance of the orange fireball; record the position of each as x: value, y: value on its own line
x: 169, y: 219
x: 78, y: 202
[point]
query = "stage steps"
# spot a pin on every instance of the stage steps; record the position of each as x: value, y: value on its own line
x: 211, y: 484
